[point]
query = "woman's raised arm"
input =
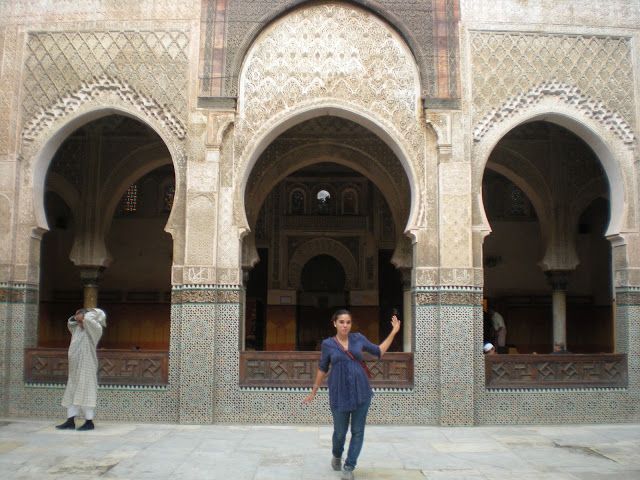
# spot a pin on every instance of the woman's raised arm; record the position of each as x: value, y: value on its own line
x: 395, y: 327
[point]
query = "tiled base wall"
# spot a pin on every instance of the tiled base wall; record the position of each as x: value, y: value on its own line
x: 4, y: 357
x: 203, y: 379
x: 120, y: 404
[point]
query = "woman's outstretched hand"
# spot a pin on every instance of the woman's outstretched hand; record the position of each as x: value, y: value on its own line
x: 309, y: 398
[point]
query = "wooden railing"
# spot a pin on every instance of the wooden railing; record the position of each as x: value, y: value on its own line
x: 298, y: 369
x: 116, y: 367
x: 556, y: 371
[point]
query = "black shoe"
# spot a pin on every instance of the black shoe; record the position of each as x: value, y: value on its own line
x: 70, y: 424
x: 88, y: 425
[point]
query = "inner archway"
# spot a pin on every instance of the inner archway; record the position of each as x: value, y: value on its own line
x: 327, y: 192
x: 109, y: 193
x: 547, y: 262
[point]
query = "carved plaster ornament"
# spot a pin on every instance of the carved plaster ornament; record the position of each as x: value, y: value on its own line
x: 569, y: 94
x: 92, y: 90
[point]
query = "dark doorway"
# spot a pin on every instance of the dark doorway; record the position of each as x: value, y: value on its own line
x: 256, y: 302
x: 323, y: 291
x: 390, y: 297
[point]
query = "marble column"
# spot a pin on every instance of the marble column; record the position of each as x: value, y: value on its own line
x: 406, y: 315
x: 558, y: 279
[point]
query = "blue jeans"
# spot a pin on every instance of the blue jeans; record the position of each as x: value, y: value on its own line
x: 358, y: 419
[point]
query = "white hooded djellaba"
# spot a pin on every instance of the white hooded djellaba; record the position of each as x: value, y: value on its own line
x: 82, y: 384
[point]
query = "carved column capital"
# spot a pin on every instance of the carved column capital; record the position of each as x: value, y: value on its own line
x: 90, y: 277
x: 558, y: 279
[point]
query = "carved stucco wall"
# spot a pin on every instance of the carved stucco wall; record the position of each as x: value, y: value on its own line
x: 228, y: 28
x: 147, y: 67
x: 507, y: 64
x: 581, y: 13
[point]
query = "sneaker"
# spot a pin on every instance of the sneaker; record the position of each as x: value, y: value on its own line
x: 88, y: 425
x: 336, y: 463
x: 70, y: 424
x: 347, y: 474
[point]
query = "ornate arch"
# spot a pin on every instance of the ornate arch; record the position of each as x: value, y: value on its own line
x: 615, y: 155
x: 389, y: 184
x: 295, y: 71
x: 41, y: 140
x: 134, y: 166
x: 322, y: 246
x: 527, y: 178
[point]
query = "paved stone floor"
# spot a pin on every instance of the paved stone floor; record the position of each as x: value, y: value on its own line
x: 35, y: 450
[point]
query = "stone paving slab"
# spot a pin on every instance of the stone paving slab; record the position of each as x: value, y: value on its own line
x: 36, y: 450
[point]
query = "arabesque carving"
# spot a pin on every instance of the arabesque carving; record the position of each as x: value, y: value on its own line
x: 90, y: 91
x: 571, y: 95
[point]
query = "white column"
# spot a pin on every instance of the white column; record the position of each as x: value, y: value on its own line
x: 558, y: 280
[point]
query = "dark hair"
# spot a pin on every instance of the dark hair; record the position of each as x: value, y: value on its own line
x: 337, y: 313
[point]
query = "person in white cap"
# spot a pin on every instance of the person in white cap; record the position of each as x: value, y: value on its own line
x: 489, y: 349
x: 86, y: 328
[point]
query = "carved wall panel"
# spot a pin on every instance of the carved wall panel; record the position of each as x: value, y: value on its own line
x: 429, y: 26
x: 200, y: 232
x: 508, y: 64
x: 5, y: 233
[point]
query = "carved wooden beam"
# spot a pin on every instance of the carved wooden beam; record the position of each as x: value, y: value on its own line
x: 116, y: 367
x: 556, y: 371
x: 298, y: 369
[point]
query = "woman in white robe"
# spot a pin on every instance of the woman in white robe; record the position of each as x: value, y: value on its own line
x: 86, y: 328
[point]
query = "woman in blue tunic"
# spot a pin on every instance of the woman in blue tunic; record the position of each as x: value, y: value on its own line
x: 349, y: 390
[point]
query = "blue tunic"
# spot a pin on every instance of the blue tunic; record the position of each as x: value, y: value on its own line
x: 348, y: 382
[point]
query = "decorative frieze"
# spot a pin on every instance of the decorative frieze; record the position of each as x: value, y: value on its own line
x: 556, y: 371
x: 628, y: 298
x: 447, y: 295
x: 18, y: 293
